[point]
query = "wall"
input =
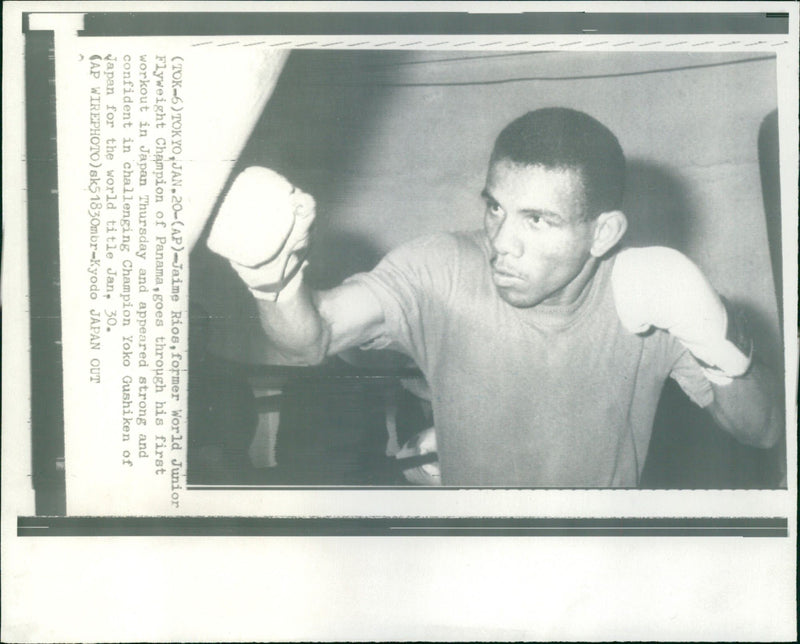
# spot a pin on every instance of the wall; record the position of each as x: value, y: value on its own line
x: 395, y: 144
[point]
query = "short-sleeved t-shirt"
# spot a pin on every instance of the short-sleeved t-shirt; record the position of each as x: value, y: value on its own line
x: 547, y: 396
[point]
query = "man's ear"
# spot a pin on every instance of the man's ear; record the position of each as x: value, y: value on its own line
x: 608, y: 230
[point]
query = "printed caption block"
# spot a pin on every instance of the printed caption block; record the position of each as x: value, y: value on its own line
x: 148, y: 132
x: 124, y: 290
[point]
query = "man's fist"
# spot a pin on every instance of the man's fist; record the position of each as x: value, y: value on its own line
x: 262, y: 227
x: 660, y: 287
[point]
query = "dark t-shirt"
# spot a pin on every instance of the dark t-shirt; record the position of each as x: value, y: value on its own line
x: 549, y: 396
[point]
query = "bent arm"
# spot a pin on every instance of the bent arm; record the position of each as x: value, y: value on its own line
x: 660, y: 287
x: 750, y: 407
x: 304, y: 327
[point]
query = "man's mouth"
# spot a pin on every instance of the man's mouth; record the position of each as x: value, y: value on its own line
x: 502, y: 275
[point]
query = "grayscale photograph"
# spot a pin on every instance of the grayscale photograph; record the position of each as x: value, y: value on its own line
x: 533, y: 269
x: 401, y: 321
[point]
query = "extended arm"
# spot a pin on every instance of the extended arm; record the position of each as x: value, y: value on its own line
x: 263, y: 228
x: 306, y: 326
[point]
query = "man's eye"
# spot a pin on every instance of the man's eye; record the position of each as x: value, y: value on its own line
x: 535, y: 220
x: 494, y: 209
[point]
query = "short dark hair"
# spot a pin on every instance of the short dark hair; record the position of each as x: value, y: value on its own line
x: 561, y: 138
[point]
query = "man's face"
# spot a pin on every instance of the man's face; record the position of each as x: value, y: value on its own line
x: 540, y: 241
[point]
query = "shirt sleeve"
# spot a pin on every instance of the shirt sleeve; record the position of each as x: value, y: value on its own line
x: 410, y: 283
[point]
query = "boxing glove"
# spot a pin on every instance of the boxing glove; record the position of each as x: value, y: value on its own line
x: 660, y: 287
x: 262, y: 228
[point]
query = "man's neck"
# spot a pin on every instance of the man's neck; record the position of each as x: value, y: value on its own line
x: 574, y: 291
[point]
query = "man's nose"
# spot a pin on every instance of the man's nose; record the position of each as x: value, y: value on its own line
x: 505, y: 240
